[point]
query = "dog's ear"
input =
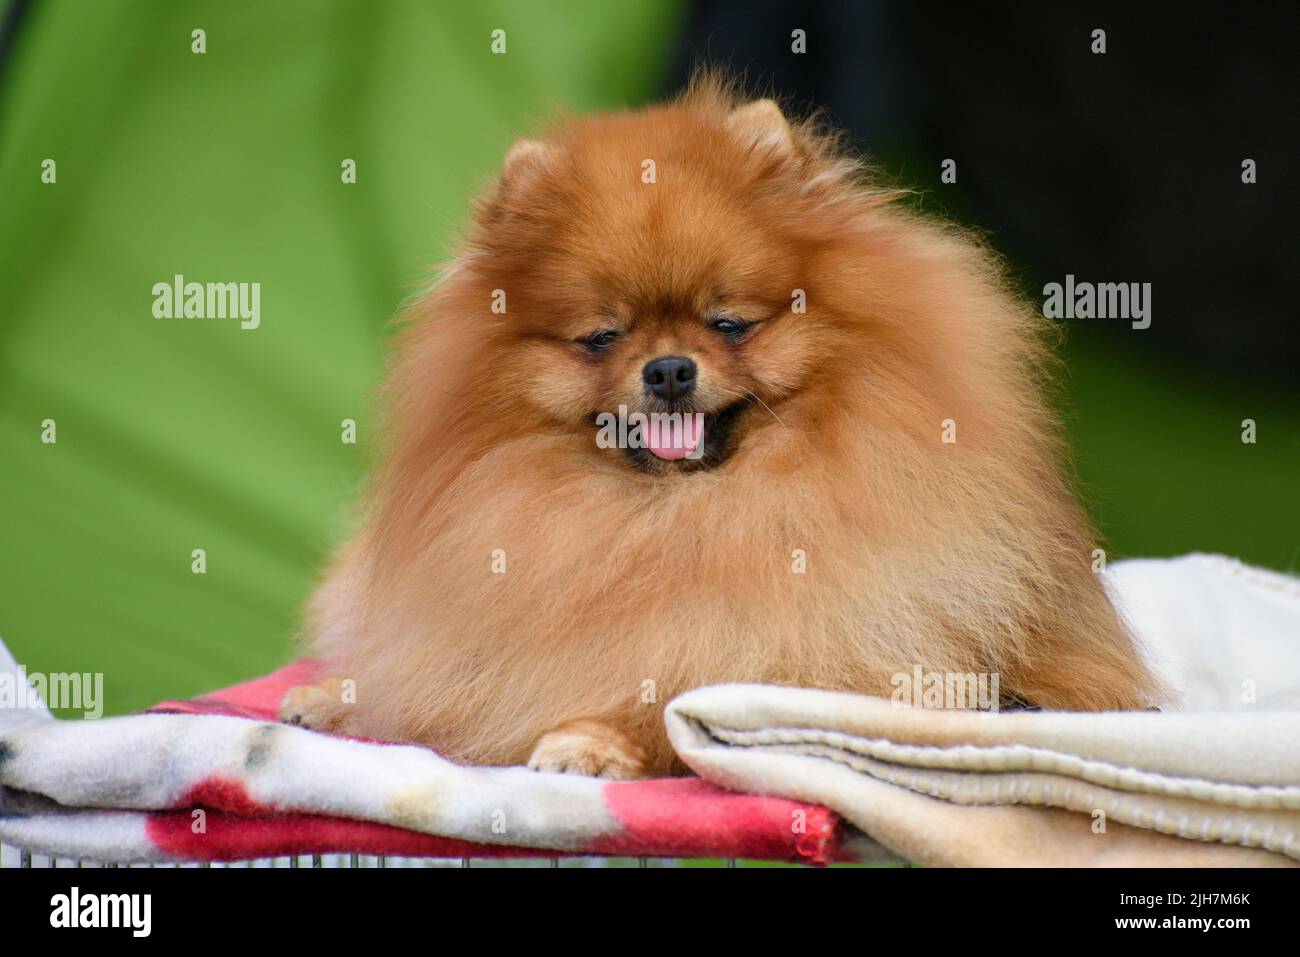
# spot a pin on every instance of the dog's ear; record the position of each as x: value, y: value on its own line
x: 524, y: 156
x: 763, y: 126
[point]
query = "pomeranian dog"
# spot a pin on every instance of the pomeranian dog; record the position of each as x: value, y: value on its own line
x: 864, y: 478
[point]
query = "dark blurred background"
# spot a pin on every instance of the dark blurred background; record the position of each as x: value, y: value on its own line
x: 224, y: 165
x: 1123, y: 167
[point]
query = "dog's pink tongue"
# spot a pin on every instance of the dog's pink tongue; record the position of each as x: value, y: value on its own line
x: 676, y: 436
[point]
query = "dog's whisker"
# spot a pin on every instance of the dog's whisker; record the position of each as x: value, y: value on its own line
x: 748, y: 394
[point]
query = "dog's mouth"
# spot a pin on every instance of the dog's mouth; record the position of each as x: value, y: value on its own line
x: 669, y: 439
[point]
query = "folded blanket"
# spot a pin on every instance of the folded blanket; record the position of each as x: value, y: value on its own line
x: 970, y: 789
x: 217, y: 779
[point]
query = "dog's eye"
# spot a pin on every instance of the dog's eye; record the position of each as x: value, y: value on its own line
x: 600, y: 341
x: 730, y: 326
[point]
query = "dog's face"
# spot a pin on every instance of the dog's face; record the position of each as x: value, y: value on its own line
x: 649, y: 265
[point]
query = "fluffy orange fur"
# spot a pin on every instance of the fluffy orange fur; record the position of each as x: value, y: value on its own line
x: 627, y: 582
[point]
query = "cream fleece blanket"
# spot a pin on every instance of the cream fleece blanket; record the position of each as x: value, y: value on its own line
x: 1213, y: 780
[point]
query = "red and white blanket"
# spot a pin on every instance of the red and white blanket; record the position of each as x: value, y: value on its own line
x: 217, y: 779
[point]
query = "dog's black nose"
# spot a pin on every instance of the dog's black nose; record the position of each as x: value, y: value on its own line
x: 670, y: 377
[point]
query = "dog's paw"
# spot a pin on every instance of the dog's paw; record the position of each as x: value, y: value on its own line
x: 590, y: 748
x: 320, y: 706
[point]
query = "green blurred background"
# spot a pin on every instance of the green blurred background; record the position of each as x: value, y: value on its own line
x: 174, y: 435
